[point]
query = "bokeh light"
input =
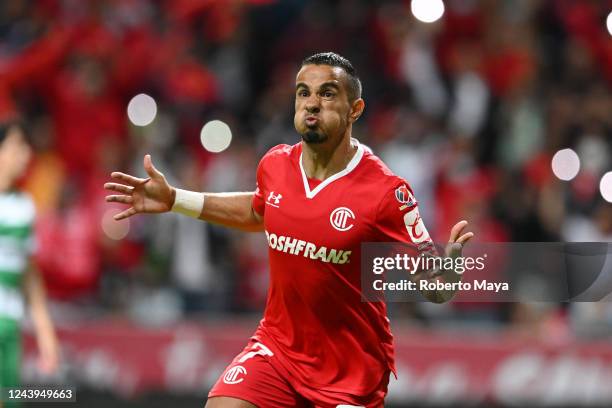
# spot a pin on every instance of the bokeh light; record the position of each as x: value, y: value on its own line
x: 565, y: 164
x: 115, y: 230
x: 142, y: 110
x: 605, y: 186
x: 609, y: 23
x: 216, y: 136
x: 427, y: 11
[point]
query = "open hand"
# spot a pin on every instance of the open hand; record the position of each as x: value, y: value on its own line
x: 150, y: 195
x: 457, y: 240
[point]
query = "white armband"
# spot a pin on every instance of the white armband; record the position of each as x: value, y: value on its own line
x: 188, y: 203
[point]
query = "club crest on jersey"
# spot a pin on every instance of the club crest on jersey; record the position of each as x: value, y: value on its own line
x: 274, y: 199
x: 235, y: 375
x: 404, y: 196
x: 342, y: 219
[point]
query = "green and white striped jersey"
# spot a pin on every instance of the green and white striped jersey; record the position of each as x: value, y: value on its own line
x: 17, y: 215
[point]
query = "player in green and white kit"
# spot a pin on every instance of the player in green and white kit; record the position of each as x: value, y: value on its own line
x: 20, y: 283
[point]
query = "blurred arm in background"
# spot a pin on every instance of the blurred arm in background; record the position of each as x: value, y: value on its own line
x: 46, y: 338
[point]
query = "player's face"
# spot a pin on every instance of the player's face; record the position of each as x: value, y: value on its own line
x: 322, y: 107
x: 15, y: 153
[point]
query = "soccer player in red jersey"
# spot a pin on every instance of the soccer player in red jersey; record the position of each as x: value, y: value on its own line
x: 318, y: 344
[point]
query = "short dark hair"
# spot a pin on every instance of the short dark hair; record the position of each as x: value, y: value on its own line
x: 5, y: 126
x: 4, y: 130
x: 336, y: 60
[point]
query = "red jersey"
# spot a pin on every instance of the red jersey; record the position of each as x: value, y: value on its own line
x: 323, y: 336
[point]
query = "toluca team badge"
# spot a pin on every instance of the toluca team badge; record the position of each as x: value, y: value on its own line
x: 404, y: 196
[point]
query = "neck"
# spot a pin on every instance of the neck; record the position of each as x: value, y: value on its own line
x: 322, y: 160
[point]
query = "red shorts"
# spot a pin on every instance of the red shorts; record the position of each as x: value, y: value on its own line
x: 251, y: 377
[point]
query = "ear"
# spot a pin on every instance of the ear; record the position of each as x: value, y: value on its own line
x: 357, y: 108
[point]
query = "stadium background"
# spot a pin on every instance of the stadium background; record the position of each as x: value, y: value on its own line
x: 469, y: 109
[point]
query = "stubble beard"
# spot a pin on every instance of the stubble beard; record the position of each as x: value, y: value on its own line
x: 312, y: 136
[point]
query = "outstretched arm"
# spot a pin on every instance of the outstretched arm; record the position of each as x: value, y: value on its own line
x: 154, y: 195
x: 232, y: 210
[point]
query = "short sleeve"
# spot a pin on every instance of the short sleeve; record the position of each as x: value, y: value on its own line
x: 30, y: 242
x: 398, y: 218
x: 259, y: 203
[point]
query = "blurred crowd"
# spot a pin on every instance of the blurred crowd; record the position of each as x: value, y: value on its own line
x: 469, y: 109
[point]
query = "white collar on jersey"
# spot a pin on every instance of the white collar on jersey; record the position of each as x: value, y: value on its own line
x: 349, y: 167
